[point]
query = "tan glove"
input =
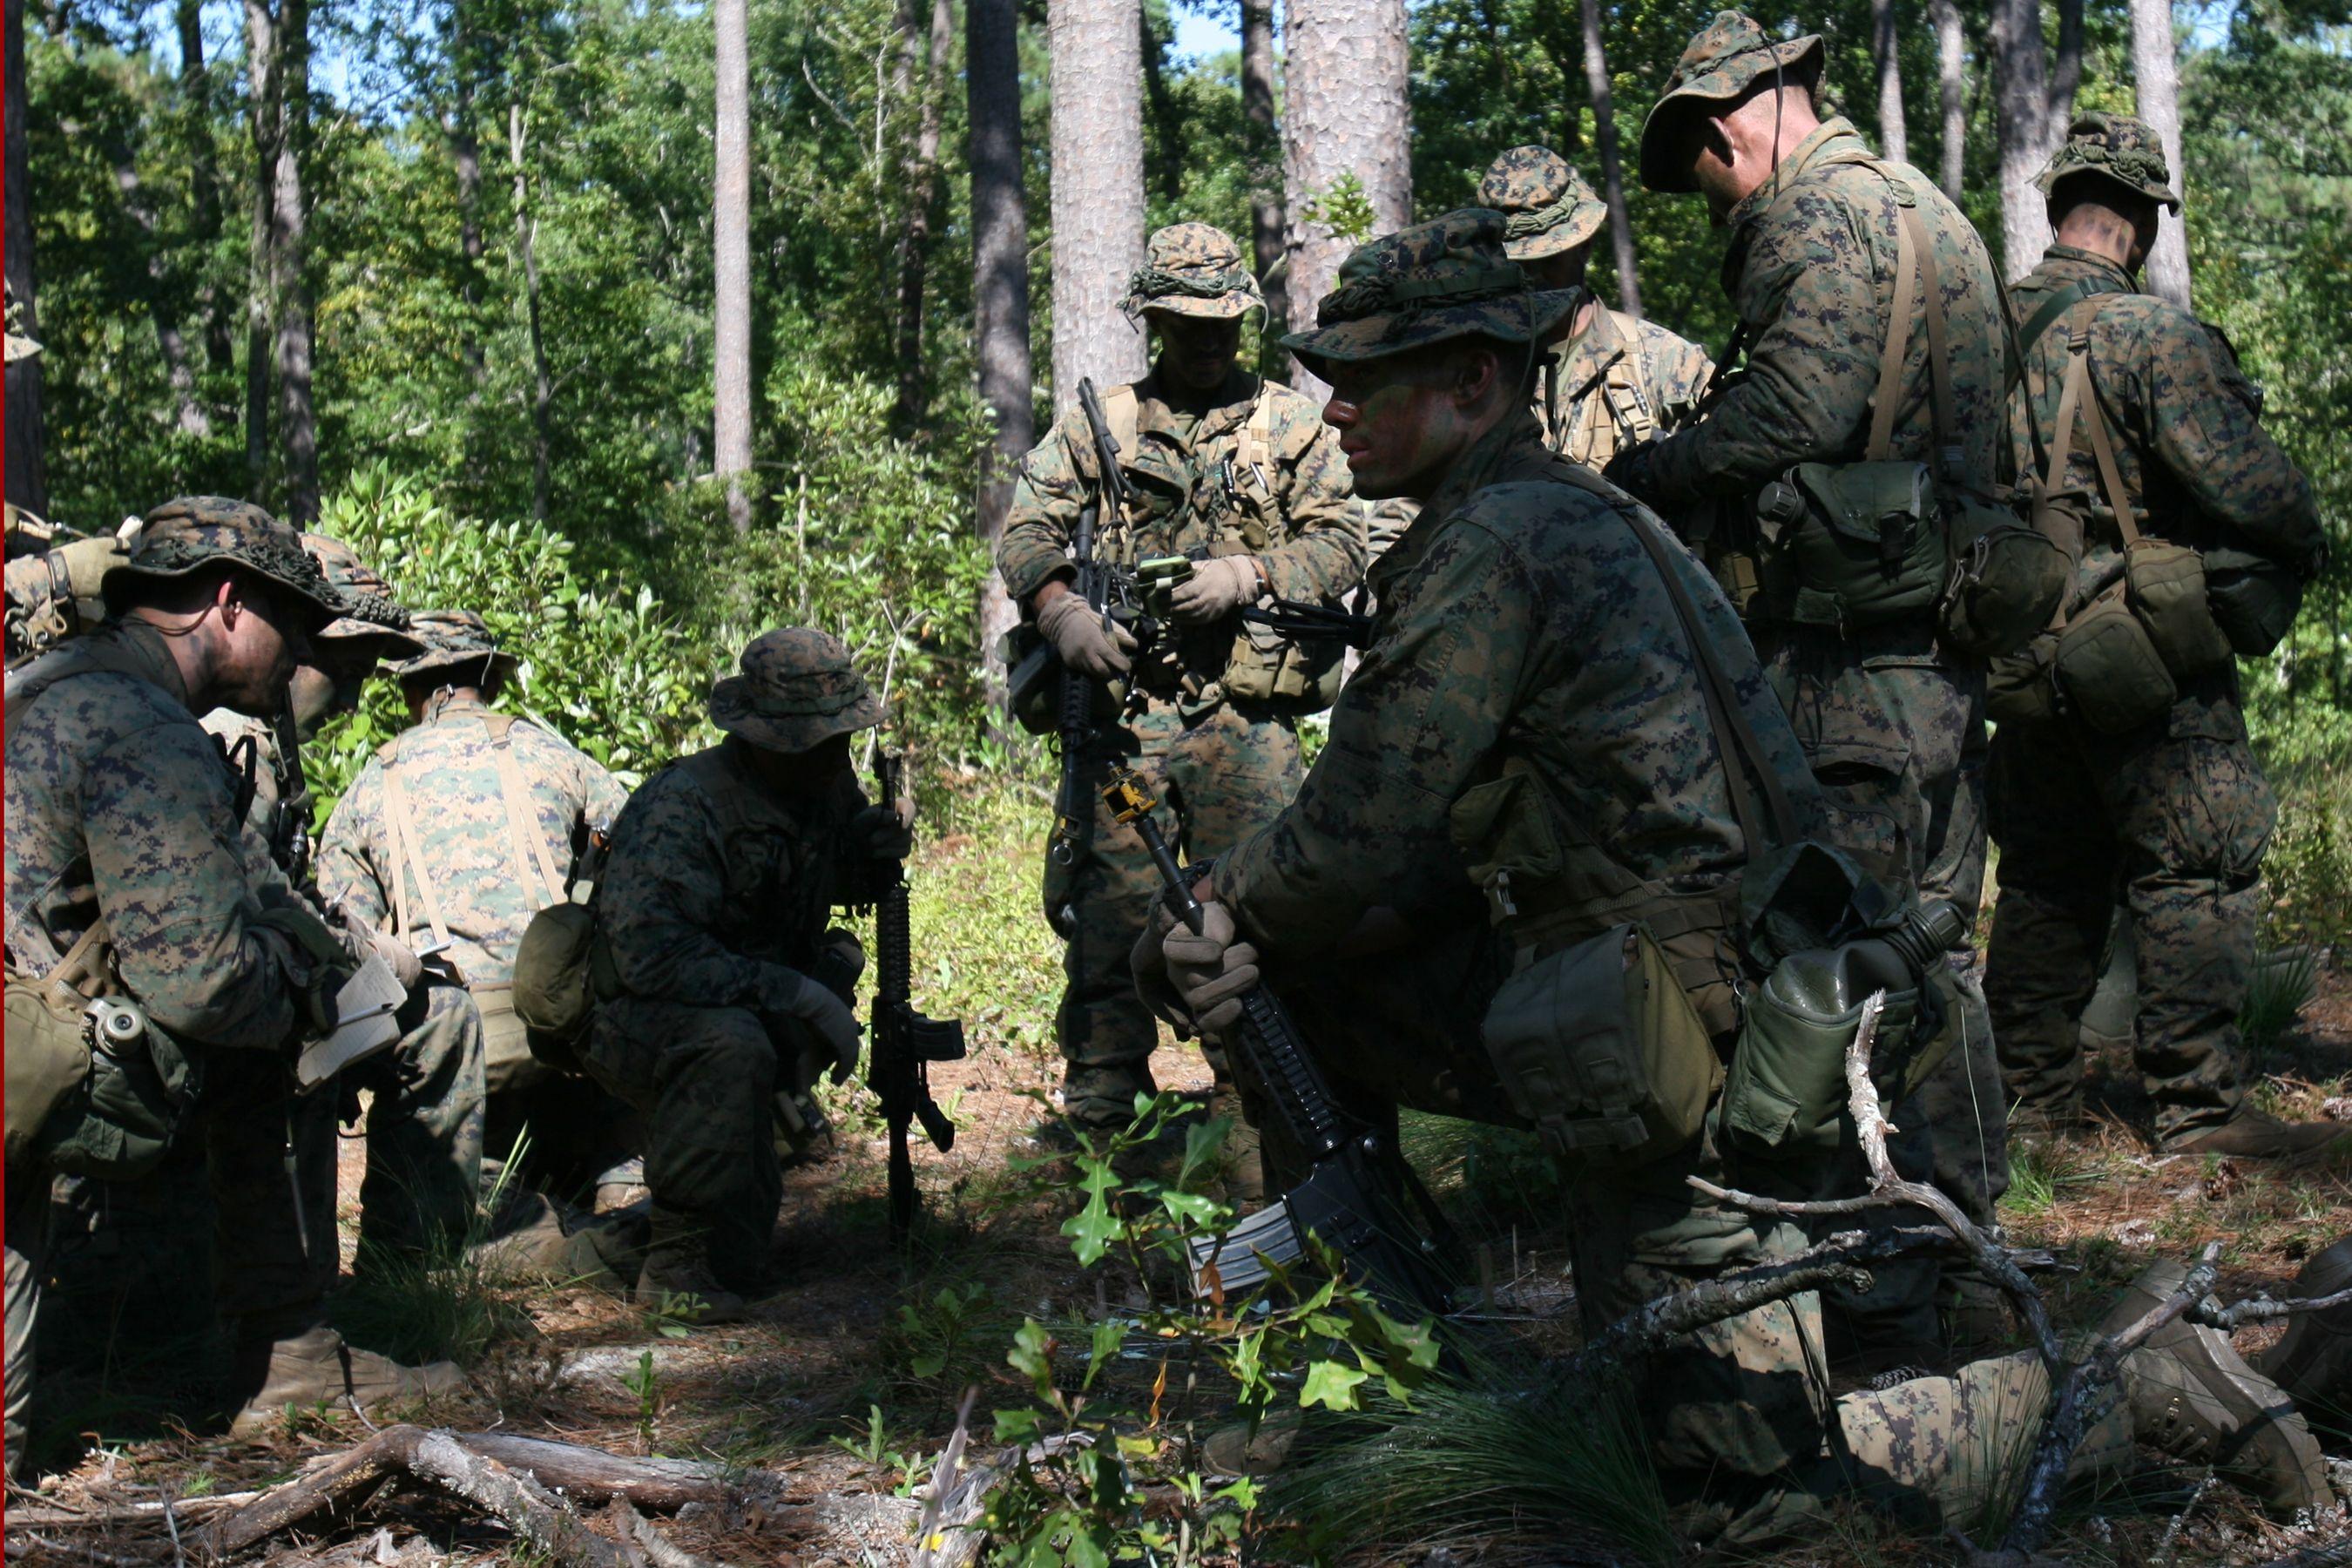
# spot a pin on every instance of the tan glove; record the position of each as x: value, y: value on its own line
x: 1212, y: 971
x: 87, y: 561
x: 1089, y: 642
x: 397, y: 955
x: 1217, y: 587
x: 1148, y: 966
x: 830, y: 1020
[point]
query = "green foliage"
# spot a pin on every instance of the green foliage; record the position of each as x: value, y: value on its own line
x: 2284, y: 980
x: 1345, y: 209
x: 446, y: 1303
x: 872, y: 1448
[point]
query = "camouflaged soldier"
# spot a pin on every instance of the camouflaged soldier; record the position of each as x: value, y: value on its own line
x: 1838, y: 374
x: 1237, y: 474
x: 452, y: 836
x: 2138, y: 411
x: 725, y: 983
x: 127, y: 883
x: 1534, y: 720
x: 1614, y: 379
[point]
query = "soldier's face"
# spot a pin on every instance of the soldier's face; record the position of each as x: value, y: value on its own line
x: 265, y: 635
x: 1196, y: 353
x: 332, y: 680
x: 1404, y: 421
x: 803, y: 774
x: 1565, y: 270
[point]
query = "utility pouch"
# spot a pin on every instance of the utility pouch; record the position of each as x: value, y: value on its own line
x: 1034, y: 683
x: 1856, y: 544
x: 47, y: 1059
x: 1599, y: 1047
x: 2253, y: 599
x: 509, y: 1062
x: 2018, y: 688
x: 2167, y: 590
x: 2109, y: 671
x: 555, y: 980
x: 1268, y: 666
x: 94, y: 1088
x: 2007, y: 580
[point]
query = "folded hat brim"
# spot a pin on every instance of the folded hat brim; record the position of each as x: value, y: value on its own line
x: 1667, y: 117
x: 732, y: 711
x: 324, y: 602
x: 1511, y: 319
x: 1222, y: 308
x: 438, y: 659
x: 1552, y: 242
x: 2047, y: 181
x: 399, y: 644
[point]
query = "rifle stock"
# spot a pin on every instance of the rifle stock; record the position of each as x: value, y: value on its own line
x: 905, y: 1042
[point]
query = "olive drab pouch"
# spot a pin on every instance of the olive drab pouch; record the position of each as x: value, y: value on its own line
x: 2007, y: 580
x: 104, y: 1091
x: 555, y: 986
x: 509, y: 1063
x: 1600, y: 1047
x: 1856, y: 544
x: 2167, y: 590
x: 48, y: 1061
x: 1034, y: 683
x: 2253, y: 599
x: 2107, y: 670
x: 2018, y: 688
x: 1263, y: 664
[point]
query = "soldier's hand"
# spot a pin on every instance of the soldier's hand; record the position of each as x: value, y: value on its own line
x: 1629, y: 470
x: 1211, y: 970
x: 1088, y: 641
x: 884, y: 832
x: 1150, y: 967
x: 832, y: 1021
x: 397, y: 955
x: 840, y: 960
x: 1217, y: 587
x: 87, y: 560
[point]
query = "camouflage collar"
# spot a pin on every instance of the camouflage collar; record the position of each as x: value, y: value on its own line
x: 2072, y: 261
x: 1801, y: 160
x: 1476, y: 467
x: 1227, y: 409
x: 447, y: 704
x: 149, y: 647
x: 1582, y: 360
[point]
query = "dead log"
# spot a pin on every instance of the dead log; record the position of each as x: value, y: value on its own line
x: 591, y: 1475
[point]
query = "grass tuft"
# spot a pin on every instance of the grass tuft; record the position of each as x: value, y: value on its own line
x: 445, y: 1303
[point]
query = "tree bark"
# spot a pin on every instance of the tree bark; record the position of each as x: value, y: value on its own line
x: 731, y: 318
x: 1347, y: 113
x: 465, y: 160
x: 542, y: 389
x: 1952, y: 89
x: 2021, y: 105
x: 162, y: 303
x: 1886, y: 57
x: 265, y: 85
x: 27, y: 485
x: 1097, y: 200
x: 2155, y: 75
x: 915, y: 242
x: 1264, y: 175
x: 1000, y: 286
x: 1612, y: 163
x: 204, y: 173
x: 298, y: 421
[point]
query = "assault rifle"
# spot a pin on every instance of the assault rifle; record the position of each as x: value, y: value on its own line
x: 898, y: 1065
x: 1073, y: 812
x: 1356, y: 1198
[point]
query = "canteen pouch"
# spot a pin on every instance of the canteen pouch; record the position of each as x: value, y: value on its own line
x: 46, y: 1058
x: 2253, y: 599
x: 2165, y: 586
x: 509, y: 1062
x: 2018, y: 688
x: 1851, y: 544
x: 1032, y: 683
x: 2109, y: 671
x: 2007, y: 580
x: 81, y: 1101
x: 556, y: 980
x: 1600, y: 1049
x: 1296, y: 676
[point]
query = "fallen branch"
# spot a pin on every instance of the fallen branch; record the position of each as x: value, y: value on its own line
x: 592, y: 1476
x: 191, y: 1509
x: 2260, y: 1308
x: 659, y: 1550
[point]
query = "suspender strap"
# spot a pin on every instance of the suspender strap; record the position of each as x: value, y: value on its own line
x: 405, y: 853
x: 1898, y: 339
x: 2079, y: 396
x: 521, y: 817
x: 2057, y: 303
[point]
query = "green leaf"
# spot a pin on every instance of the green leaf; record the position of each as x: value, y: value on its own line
x: 1107, y: 1335
x: 1332, y: 1384
x: 1094, y: 1227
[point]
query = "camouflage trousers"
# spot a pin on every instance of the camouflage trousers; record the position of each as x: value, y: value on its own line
x: 1219, y: 776
x: 1895, y: 735
x: 706, y: 1079
x: 2175, y: 819
x: 424, y: 1126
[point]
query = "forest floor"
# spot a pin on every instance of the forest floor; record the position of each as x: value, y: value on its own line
x: 839, y: 1393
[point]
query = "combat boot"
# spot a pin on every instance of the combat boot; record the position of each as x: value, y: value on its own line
x: 2253, y: 1135
x: 316, y: 1367
x: 677, y: 1282
x: 2313, y: 1362
x: 2192, y: 1396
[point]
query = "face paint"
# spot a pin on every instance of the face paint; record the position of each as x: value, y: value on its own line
x: 1398, y: 432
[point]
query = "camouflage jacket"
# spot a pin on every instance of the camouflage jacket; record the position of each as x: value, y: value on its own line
x: 2196, y: 464
x: 266, y: 767
x: 1521, y: 627
x: 483, y: 886
x: 1619, y: 382
x: 717, y: 891
x: 1198, y: 489
x: 120, y: 805
x: 1811, y: 273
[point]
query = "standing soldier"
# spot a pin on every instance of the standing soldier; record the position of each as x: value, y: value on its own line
x: 456, y: 832
x: 1615, y: 380
x: 1237, y: 474
x: 2138, y: 410
x: 724, y: 982
x: 1848, y: 274
x: 126, y: 887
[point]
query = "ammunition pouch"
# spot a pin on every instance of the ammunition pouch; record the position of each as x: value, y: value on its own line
x: 2018, y: 688
x: 1851, y: 545
x: 2252, y: 598
x: 84, y: 1099
x: 509, y: 1062
x: 2007, y: 579
x: 2165, y: 586
x: 1292, y: 676
x: 2107, y: 669
x: 561, y: 968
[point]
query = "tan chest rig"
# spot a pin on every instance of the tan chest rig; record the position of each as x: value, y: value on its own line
x: 1609, y: 413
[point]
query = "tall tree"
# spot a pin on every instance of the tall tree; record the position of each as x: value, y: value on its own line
x: 466, y: 160
x: 204, y: 171
x: 730, y: 435
x: 1097, y: 162
x: 542, y: 385
x: 1952, y: 92
x: 915, y: 236
x: 1346, y: 116
x: 2155, y: 75
x: 1612, y: 163
x: 1000, y: 284
x: 280, y: 332
x: 163, y: 296
x: 1886, y: 59
x: 25, y: 482
x: 2022, y: 104
x: 1264, y: 176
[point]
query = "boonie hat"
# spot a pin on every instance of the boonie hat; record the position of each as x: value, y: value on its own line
x: 796, y: 688
x: 1193, y: 269
x: 2116, y: 147
x: 457, y: 640
x: 1727, y: 57
x: 1550, y: 206
x: 373, y: 612
x: 1449, y: 278
x: 192, y: 532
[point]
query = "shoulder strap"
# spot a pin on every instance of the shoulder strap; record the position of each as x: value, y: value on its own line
x: 1120, y: 410
x: 405, y: 853
x: 1915, y: 267
x: 83, y: 657
x: 2057, y: 303
x: 521, y: 817
x: 2079, y: 396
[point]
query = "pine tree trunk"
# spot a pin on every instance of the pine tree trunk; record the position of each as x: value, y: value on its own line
x: 1886, y: 57
x: 1000, y: 284
x: 203, y: 173
x: 2156, y: 74
x: 1612, y: 163
x: 1952, y: 92
x: 27, y: 484
x: 1167, y: 120
x: 298, y: 421
x: 1346, y: 113
x: 915, y: 241
x: 1264, y: 175
x: 264, y: 82
x: 162, y: 299
x: 465, y: 160
x: 2021, y: 102
x: 543, y: 386
x: 1098, y: 215
x: 730, y: 443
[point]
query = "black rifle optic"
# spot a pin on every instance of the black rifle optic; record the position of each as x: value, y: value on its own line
x: 1356, y: 1197
x: 1073, y: 812
x: 897, y: 1066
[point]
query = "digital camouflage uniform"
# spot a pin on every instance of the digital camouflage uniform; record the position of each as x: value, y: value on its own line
x: 1524, y: 631
x: 713, y: 908
x: 1255, y: 472
x: 1619, y: 382
x: 1893, y: 725
x: 2174, y: 816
